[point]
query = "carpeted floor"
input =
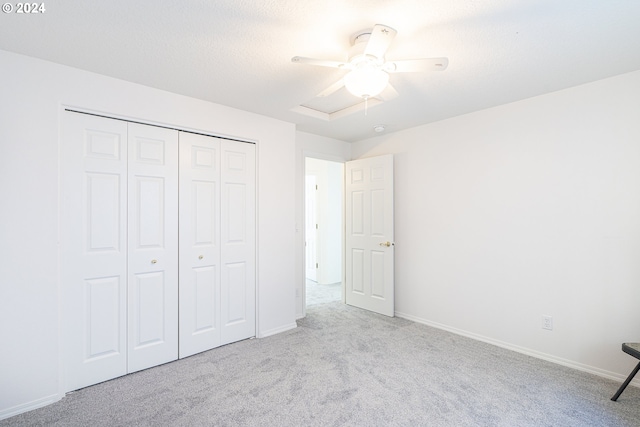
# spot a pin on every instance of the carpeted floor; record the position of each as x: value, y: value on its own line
x: 347, y: 367
x: 320, y: 294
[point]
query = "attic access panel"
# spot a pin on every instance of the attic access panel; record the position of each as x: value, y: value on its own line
x: 339, y: 104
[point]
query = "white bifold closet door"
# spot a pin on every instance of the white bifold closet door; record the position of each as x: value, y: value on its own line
x: 153, y: 246
x: 119, y: 241
x: 238, y: 241
x: 93, y: 248
x: 157, y: 236
x: 217, y: 242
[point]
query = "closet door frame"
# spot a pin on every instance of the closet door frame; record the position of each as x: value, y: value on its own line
x: 66, y: 384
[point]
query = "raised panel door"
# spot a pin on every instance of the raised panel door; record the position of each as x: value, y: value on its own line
x: 238, y: 236
x: 199, y: 243
x: 93, y: 196
x: 120, y: 244
x: 153, y: 246
x: 369, y: 252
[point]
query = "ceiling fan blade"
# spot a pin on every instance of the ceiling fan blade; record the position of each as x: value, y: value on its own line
x: 416, y: 65
x: 331, y: 89
x: 379, y: 41
x: 320, y: 62
x: 388, y: 93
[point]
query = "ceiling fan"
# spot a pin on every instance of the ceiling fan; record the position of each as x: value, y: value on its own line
x: 368, y: 70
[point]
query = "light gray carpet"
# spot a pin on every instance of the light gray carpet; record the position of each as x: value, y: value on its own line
x: 347, y: 367
x: 321, y: 294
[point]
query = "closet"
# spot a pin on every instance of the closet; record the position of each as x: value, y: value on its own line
x: 157, y: 238
x: 217, y: 242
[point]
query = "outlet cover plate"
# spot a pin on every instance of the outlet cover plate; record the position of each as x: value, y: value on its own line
x: 547, y: 323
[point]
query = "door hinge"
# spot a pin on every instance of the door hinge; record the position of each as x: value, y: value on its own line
x: 316, y: 226
x: 316, y: 265
x: 316, y: 186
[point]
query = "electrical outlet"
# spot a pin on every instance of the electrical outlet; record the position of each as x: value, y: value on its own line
x: 547, y: 322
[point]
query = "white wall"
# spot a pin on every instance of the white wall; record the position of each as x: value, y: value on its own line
x: 333, y: 214
x: 329, y: 197
x: 31, y: 100
x: 319, y: 147
x: 524, y: 210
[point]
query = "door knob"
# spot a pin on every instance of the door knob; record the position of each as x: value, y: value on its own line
x: 387, y: 244
x: 154, y: 261
x: 201, y: 256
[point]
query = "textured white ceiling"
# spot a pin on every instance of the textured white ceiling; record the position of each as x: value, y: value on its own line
x: 237, y: 52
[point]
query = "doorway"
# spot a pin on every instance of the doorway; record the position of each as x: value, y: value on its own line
x: 323, y: 231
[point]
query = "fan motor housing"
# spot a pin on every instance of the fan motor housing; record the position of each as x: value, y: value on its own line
x: 358, y: 44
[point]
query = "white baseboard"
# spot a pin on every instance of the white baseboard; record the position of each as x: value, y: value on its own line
x: 29, y: 406
x: 533, y: 353
x: 284, y: 328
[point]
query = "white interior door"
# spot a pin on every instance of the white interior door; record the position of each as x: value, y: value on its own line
x: 199, y: 243
x: 93, y: 155
x: 153, y: 246
x: 311, y: 228
x: 238, y: 237
x: 369, y: 234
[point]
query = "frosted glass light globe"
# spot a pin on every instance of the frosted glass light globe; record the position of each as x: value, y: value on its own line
x: 366, y: 81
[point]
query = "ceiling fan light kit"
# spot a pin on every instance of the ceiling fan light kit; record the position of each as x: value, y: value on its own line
x: 366, y: 81
x: 368, y: 74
